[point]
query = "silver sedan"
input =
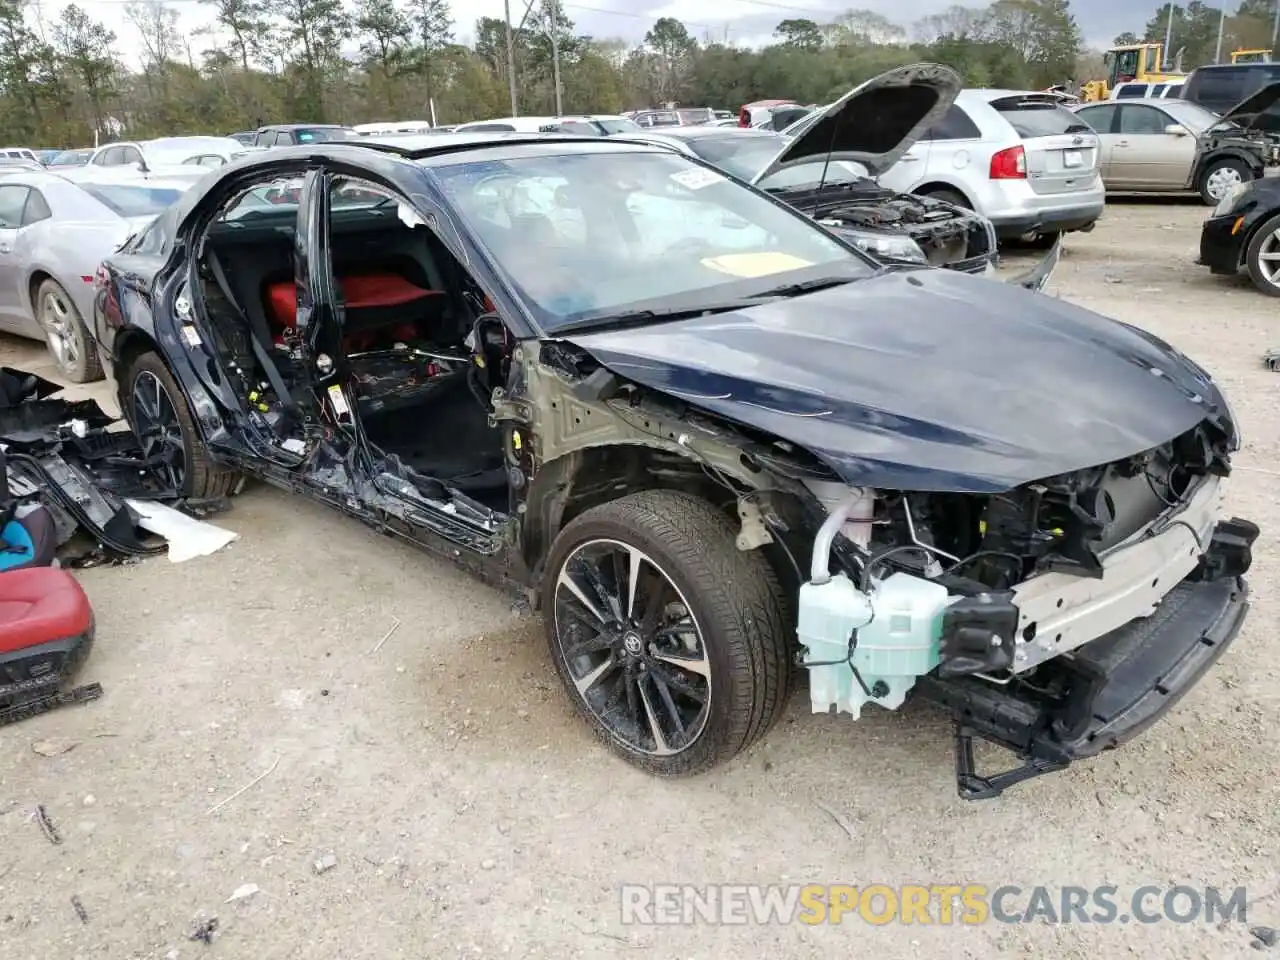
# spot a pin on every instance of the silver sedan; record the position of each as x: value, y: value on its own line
x: 53, y: 235
x: 1147, y: 146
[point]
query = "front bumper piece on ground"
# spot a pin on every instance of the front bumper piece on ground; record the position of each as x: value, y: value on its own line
x: 1038, y: 276
x: 1119, y: 684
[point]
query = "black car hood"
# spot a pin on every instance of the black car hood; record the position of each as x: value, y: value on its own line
x: 926, y: 380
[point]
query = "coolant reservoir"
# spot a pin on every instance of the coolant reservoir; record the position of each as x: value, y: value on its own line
x: 899, y: 624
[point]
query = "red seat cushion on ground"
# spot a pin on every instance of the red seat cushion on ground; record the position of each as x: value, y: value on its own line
x: 357, y: 291
x: 40, y: 605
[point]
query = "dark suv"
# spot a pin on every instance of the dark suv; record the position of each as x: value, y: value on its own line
x: 1219, y: 87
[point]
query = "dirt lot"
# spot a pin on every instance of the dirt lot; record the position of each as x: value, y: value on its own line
x: 471, y: 815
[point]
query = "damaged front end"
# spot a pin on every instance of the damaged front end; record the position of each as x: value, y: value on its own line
x: 1042, y: 554
x: 900, y: 228
x: 1058, y: 620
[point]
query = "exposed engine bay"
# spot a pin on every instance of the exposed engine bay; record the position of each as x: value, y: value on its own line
x: 945, y: 235
x: 1015, y: 610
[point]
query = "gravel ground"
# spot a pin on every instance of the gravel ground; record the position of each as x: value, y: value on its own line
x: 471, y: 815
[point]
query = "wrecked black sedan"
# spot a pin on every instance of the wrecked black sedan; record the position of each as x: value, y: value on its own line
x: 689, y: 422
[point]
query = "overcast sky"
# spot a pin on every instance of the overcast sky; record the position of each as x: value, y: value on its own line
x: 748, y: 22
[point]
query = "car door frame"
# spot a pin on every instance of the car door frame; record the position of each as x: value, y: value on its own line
x: 179, y: 278
x: 1148, y: 153
x: 1106, y: 139
x: 323, y: 348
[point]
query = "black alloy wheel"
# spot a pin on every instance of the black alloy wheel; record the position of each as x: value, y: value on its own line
x: 670, y: 641
x: 157, y: 410
x: 155, y: 422
x: 632, y: 647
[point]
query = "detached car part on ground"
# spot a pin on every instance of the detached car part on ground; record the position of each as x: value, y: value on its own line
x: 684, y: 419
x: 1244, y: 232
x: 68, y: 458
x: 1243, y: 146
x: 826, y: 172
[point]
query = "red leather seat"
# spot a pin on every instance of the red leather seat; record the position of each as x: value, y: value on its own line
x: 41, y: 605
x: 358, y: 291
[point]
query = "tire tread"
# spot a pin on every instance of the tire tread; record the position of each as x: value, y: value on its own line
x: 205, y: 478
x: 736, y: 593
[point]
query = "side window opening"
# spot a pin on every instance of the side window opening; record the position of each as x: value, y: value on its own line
x: 424, y: 350
x: 13, y: 199
x: 37, y: 209
x: 417, y: 342
x: 955, y: 125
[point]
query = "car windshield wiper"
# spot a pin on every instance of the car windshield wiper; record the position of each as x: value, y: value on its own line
x: 806, y: 286
x: 633, y: 318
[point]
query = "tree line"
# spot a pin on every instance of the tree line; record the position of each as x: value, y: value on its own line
x: 260, y: 61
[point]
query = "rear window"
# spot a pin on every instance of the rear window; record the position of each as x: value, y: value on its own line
x: 739, y: 154
x: 324, y: 134
x: 578, y: 127
x: 1129, y: 91
x: 132, y: 201
x: 491, y: 128
x: 1223, y: 87
x: 616, y: 125
x: 1039, y: 118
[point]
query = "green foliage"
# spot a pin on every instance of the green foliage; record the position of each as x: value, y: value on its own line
x: 360, y: 60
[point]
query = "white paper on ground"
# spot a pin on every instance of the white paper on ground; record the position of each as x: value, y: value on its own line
x: 187, y: 537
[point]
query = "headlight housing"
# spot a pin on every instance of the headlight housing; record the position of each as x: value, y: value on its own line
x: 1229, y: 199
x: 887, y: 246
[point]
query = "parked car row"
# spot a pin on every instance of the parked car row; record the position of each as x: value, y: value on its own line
x: 54, y: 233
x: 1175, y: 145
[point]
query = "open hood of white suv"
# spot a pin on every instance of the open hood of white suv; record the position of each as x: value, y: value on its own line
x: 876, y: 122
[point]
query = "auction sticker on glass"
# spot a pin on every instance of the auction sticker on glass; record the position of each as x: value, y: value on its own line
x: 751, y: 265
x: 697, y: 178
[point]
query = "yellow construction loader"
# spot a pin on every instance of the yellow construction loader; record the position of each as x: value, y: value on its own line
x: 1141, y: 62
x: 1250, y: 56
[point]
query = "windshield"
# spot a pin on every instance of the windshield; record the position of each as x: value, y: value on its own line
x: 71, y: 158
x: 280, y: 198
x: 585, y: 236
x: 744, y: 155
x: 616, y: 125
x: 132, y: 201
x: 1124, y: 65
x: 583, y: 128
x: 740, y: 154
x: 324, y: 134
x: 1192, y: 116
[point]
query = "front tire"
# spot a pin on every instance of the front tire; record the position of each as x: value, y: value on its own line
x: 157, y: 410
x: 1044, y: 241
x: 1262, y: 257
x: 67, y: 338
x: 953, y: 197
x: 669, y: 640
x: 1220, y: 176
